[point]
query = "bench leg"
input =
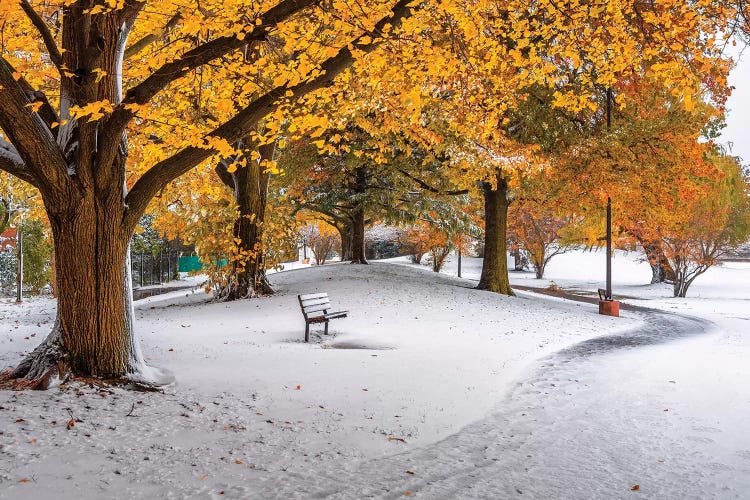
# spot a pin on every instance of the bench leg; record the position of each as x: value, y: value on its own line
x: 307, y: 332
x: 326, y: 330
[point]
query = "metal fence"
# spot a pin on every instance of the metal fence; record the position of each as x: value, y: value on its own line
x: 153, y: 269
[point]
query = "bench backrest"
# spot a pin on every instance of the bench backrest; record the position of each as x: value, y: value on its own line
x: 314, y: 304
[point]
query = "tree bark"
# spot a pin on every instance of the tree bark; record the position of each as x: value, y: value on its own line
x: 358, y: 217
x: 346, y: 242
x: 661, y: 269
x: 250, y: 186
x: 494, y: 276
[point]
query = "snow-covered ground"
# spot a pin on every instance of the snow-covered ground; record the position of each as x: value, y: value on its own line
x: 429, y: 388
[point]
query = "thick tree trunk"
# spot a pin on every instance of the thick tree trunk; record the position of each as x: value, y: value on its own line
x: 250, y: 186
x: 358, y: 218
x: 346, y: 242
x: 358, y: 238
x: 93, y: 333
x: 494, y: 276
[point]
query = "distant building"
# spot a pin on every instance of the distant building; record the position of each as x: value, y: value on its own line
x: 8, y: 240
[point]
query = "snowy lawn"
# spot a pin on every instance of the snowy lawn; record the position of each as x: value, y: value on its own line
x: 420, y: 356
x: 429, y: 387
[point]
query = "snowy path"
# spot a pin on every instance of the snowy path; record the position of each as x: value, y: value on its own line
x: 581, y: 426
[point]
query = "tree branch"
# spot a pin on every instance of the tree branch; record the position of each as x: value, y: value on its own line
x: 203, y: 54
x: 11, y: 162
x: 222, y: 171
x: 49, y: 41
x: 238, y: 126
x: 147, y: 40
x: 43, y: 163
x: 431, y: 189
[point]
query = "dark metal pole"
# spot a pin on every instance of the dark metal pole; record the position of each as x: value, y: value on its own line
x: 609, y: 208
x: 459, y: 263
x: 19, y: 265
x: 609, y: 249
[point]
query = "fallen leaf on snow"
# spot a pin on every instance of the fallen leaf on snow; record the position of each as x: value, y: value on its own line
x: 298, y: 388
x: 239, y: 462
x: 410, y: 472
x: 407, y: 494
x: 24, y: 480
x: 70, y: 424
x: 391, y: 438
x: 635, y: 487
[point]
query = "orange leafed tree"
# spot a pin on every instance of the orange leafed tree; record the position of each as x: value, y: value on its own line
x: 84, y: 82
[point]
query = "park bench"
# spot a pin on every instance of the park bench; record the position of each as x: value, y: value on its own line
x: 315, y: 307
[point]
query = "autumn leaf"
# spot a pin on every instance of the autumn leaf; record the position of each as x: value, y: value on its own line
x: 70, y: 424
x: 635, y: 487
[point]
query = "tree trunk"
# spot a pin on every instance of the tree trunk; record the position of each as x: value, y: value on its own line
x: 494, y: 276
x: 250, y: 185
x: 661, y: 269
x: 93, y: 333
x: 346, y: 242
x: 358, y: 218
x: 517, y: 260
x: 358, y: 238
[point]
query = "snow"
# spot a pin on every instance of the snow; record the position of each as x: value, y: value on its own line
x: 478, y: 395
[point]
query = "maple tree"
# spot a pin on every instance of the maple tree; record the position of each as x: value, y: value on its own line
x: 708, y: 218
x: 75, y: 150
x: 539, y: 231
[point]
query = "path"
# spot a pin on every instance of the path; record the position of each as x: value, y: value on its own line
x: 617, y: 432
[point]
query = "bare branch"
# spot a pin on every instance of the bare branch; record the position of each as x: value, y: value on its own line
x: 49, y: 41
x: 238, y: 126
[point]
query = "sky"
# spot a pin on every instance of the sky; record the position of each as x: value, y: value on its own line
x: 737, y: 132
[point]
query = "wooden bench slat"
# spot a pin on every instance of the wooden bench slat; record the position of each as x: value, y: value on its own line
x: 313, y: 296
x: 316, y: 308
x: 312, y: 302
x: 331, y: 315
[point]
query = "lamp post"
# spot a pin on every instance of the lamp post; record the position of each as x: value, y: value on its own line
x: 607, y: 306
x: 19, y: 264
